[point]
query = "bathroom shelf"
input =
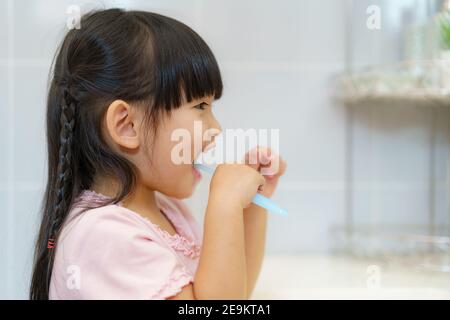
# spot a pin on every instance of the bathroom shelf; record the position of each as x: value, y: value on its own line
x: 409, y: 246
x: 406, y: 84
x: 424, y: 83
x: 418, y: 97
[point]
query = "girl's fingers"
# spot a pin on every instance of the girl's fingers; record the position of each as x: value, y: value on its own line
x: 271, y: 164
x: 253, y: 158
x: 263, y: 159
x: 282, y: 167
x: 275, y: 168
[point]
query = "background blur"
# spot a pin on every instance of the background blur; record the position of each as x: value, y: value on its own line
x: 363, y: 111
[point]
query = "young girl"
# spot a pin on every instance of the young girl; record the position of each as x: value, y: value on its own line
x: 113, y: 224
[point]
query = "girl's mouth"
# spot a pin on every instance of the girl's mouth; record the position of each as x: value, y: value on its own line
x: 197, y: 174
x: 195, y: 171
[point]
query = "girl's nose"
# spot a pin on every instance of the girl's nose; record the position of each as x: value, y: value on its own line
x: 216, y: 125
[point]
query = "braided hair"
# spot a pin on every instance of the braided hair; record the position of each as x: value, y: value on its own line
x: 64, y: 170
x: 61, y: 196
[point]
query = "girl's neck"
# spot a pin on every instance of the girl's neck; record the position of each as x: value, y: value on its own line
x: 142, y: 200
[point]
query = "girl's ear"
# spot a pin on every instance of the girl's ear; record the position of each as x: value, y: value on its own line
x: 121, y: 124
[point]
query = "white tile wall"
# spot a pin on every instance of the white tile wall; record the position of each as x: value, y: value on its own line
x: 4, y: 267
x: 29, y: 123
x: 392, y: 163
x: 3, y: 123
x: 3, y: 34
x: 27, y: 204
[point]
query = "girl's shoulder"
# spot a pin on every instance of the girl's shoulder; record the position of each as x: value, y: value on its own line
x: 120, y: 254
x: 89, y: 214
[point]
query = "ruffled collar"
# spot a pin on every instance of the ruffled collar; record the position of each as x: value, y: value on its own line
x: 176, y: 241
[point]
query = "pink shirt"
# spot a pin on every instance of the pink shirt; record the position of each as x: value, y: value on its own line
x: 112, y: 252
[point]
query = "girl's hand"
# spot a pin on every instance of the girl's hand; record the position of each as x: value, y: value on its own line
x: 269, y: 164
x: 235, y: 184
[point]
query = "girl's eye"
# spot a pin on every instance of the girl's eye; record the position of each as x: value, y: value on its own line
x: 201, y: 106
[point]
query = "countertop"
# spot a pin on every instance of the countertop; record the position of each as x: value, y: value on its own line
x: 340, y: 277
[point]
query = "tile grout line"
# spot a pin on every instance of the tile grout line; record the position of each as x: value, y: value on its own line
x: 10, y: 148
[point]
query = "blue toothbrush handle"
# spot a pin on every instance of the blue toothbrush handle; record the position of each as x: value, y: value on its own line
x: 258, y: 199
x: 268, y: 204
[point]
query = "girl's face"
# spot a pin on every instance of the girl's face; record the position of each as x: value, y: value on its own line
x: 167, y: 166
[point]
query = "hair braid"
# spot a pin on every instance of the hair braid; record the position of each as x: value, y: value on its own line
x: 64, y: 171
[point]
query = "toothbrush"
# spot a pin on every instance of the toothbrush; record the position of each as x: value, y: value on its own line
x: 258, y: 199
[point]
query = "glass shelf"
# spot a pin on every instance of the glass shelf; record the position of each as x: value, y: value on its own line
x: 418, y: 83
x: 413, y: 246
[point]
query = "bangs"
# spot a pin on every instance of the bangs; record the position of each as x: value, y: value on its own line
x: 183, y: 64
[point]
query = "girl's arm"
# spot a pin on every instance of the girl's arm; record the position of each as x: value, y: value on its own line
x: 229, y: 234
x: 255, y: 217
x: 255, y: 224
x: 222, y: 269
x: 222, y: 272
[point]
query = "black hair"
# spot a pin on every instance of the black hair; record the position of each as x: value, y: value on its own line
x: 139, y: 57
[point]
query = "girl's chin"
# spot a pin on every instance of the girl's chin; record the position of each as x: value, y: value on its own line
x: 186, y: 184
x: 185, y: 193
x: 188, y: 187
x: 180, y: 193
